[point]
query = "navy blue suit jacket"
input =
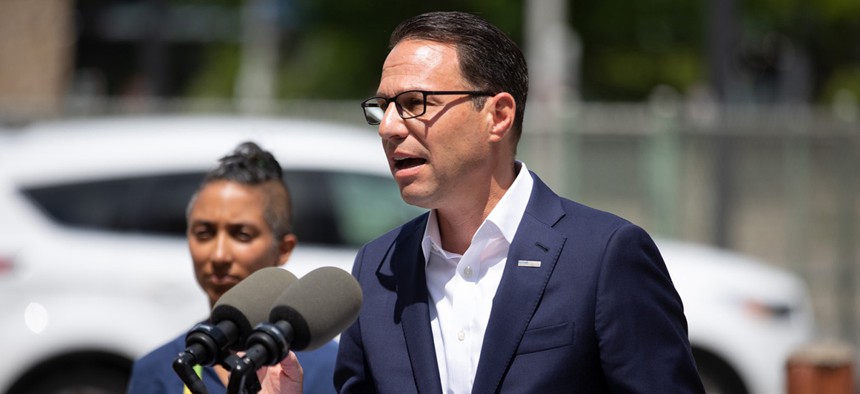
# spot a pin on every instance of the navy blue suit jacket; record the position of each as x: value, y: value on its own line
x: 599, y: 315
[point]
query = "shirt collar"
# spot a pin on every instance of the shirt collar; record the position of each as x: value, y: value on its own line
x: 505, y: 216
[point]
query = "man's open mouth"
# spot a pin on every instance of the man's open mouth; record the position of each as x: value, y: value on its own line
x: 401, y: 164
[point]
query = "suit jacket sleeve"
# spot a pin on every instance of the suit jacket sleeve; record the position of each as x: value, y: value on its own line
x: 639, y: 319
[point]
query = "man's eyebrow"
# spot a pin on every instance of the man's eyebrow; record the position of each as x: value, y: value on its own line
x: 409, y: 89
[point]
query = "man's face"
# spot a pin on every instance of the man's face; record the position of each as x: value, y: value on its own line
x: 228, y: 236
x: 441, y: 157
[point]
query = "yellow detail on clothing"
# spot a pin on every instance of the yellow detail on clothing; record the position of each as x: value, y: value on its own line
x: 199, y: 370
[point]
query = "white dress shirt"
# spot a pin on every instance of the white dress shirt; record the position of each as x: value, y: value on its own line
x: 462, y: 287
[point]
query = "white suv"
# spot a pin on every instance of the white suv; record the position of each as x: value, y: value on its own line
x: 94, y: 270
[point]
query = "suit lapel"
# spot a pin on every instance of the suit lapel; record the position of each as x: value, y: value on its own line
x: 522, y: 285
x: 407, y: 263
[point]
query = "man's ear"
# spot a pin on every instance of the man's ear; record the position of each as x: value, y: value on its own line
x: 285, y: 248
x: 502, y: 109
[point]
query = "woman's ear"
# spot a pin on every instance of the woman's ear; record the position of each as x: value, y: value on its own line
x: 502, y: 108
x: 285, y: 248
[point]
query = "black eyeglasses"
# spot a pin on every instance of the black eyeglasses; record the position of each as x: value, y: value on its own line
x: 410, y: 104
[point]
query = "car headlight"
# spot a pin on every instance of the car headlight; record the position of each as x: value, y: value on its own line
x: 767, y: 310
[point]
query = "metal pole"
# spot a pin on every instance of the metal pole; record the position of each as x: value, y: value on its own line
x: 258, y: 71
x: 721, y: 53
x: 552, y: 54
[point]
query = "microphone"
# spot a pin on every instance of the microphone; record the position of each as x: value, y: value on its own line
x: 231, y: 322
x: 311, y: 312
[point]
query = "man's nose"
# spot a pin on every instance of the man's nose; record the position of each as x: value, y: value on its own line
x: 392, y: 125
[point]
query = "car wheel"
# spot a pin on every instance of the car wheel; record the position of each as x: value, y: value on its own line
x: 717, y: 376
x: 78, y: 380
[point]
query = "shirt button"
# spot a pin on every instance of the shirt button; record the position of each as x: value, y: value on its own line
x: 468, y: 272
x: 461, y: 335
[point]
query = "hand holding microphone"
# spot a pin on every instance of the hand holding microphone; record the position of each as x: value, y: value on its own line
x: 285, y: 378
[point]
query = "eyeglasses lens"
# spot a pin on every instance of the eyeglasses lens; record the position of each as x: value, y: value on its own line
x: 374, y: 110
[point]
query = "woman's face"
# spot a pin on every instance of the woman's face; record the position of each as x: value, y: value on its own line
x: 229, y: 238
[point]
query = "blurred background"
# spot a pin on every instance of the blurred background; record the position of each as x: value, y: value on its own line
x: 725, y: 122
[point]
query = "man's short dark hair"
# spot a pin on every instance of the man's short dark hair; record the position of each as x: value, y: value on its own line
x: 249, y: 164
x: 489, y: 59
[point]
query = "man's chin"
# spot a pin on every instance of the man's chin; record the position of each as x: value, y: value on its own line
x: 411, y: 197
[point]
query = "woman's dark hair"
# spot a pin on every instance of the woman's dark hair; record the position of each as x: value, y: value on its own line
x: 249, y: 164
x: 489, y: 59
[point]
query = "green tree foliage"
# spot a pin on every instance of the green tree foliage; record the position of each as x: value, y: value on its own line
x: 824, y: 31
x: 335, y: 49
x: 631, y: 47
x: 338, y: 48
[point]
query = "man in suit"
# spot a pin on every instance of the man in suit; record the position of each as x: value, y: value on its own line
x: 502, y: 286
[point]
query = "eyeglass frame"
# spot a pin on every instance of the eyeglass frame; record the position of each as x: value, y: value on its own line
x: 424, y: 94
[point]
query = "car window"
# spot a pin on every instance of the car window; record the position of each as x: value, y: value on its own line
x: 329, y: 208
x: 145, y: 204
x: 367, y: 206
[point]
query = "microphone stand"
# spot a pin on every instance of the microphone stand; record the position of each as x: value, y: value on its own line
x: 204, y: 346
x: 267, y: 345
x: 243, y: 378
x: 247, y: 383
x: 184, y: 367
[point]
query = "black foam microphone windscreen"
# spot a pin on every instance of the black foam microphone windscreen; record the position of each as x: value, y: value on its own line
x: 249, y: 302
x: 319, y: 306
